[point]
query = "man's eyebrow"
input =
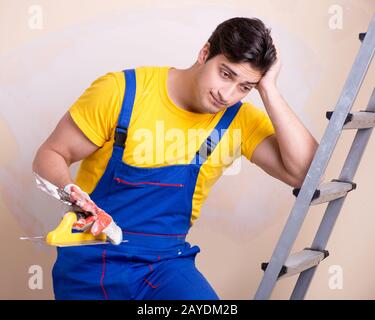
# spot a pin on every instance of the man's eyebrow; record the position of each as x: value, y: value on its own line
x: 236, y: 75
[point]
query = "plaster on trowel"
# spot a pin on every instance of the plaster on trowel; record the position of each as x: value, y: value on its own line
x: 63, y: 236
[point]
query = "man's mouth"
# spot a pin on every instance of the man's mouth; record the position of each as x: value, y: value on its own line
x: 216, y: 101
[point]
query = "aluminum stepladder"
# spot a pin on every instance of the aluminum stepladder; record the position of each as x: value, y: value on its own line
x: 334, y: 193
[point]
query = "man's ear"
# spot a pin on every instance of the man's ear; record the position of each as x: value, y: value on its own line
x: 204, y: 53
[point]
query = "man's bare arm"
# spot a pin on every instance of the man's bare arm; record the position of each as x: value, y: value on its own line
x: 67, y: 144
x: 292, y: 148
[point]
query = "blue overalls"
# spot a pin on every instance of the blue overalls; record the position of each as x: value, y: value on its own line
x: 153, y: 208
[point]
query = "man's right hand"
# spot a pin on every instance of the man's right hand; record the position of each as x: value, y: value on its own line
x: 96, y: 219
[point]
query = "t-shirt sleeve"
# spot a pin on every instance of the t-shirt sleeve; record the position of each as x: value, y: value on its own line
x: 256, y: 127
x: 97, y: 109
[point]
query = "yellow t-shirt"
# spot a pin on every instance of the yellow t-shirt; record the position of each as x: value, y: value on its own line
x: 160, y: 133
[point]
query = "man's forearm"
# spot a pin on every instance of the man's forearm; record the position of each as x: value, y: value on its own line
x: 52, y: 166
x: 297, y: 145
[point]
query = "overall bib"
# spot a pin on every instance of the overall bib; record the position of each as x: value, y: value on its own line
x: 153, y: 208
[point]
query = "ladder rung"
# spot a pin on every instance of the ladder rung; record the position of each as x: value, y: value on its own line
x: 300, y: 261
x: 330, y: 191
x: 357, y: 120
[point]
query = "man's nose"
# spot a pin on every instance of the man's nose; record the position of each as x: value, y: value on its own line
x: 226, y: 93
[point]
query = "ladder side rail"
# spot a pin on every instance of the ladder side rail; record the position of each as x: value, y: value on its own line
x: 333, y: 209
x: 319, y: 164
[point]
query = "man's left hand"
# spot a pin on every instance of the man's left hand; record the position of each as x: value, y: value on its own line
x: 270, y: 78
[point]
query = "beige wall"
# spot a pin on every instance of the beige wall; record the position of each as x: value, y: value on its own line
x: 42, y: 72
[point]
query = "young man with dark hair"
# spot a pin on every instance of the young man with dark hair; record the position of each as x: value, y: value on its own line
x: 151, y: 142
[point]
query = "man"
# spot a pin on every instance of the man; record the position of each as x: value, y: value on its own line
x: 152, y: 185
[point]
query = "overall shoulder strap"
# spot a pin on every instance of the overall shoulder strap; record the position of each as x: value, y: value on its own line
x: 123, y: 121
x: 209, y: 145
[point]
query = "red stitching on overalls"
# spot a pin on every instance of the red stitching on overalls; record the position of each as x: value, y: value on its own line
x: 151, y: 285
x: 150, y: 183
x: 103, y: 274
x: 148, y: 282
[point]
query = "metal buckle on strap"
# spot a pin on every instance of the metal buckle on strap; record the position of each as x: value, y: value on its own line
x: 120, y: 136
x: 206, y: 148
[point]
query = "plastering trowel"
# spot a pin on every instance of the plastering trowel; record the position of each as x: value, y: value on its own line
x: 63, y: 235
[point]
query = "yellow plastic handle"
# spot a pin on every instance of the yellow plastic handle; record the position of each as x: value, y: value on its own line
x: 63, y: 236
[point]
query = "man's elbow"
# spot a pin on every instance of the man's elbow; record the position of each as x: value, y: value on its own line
x: 44, y: 155
x: 35, y: 163
x: 296, y: 182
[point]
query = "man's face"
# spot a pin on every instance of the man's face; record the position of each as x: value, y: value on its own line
x: 221, y: 83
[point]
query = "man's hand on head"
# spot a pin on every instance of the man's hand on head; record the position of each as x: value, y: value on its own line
x: 269, y: 80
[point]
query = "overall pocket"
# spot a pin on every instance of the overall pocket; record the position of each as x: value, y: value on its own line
x: 147, y: 183
x: 151, y: 200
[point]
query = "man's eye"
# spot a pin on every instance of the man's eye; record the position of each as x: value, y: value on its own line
x: 225, y: 74
x: 246, y: 89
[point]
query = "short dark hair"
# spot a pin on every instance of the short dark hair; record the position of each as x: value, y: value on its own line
x: 244, y: 40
